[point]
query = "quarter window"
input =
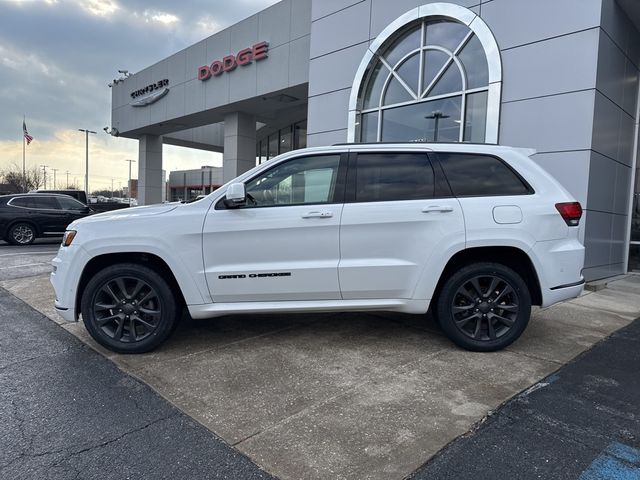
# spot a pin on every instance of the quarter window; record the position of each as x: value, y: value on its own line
x: 300, y: 181
x: 471, y: 175
x: 70, y: 204
x: 383, y: 177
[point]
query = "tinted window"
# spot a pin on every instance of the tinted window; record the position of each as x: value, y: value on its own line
x: 473, y: 175
x: 382, y: 177
x: 44, y: 202
x: 25, y: 202
x: 68, y: 203
x: 298, y: 181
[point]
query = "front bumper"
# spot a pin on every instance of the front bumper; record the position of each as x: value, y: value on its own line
x: 67, y: 269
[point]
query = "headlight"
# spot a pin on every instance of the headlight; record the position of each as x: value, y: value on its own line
x: 69, y: 235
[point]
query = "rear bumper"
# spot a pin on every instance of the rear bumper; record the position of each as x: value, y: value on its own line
x: 562, y: 292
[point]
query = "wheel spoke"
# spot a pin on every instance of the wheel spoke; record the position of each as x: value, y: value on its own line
x: 478, y: 326
x: 150, y: 294
x: 463, y: 291
x: 107, y: 288
x: 456, y: 309
x: 132, y: 329
x: 103, y: 321
x: 506, y: 321
x: 463, y: 321
x: 149, y: 311
x: 103, y: 306
x: 122, y: 288
x: 118, y: 334
x: 492, y: 331
x: 476, y: 287
x: 505, y: 291
x: 137, y: 289
x: 493, y: 285
x: 512, y: 307
x: 143, y: 322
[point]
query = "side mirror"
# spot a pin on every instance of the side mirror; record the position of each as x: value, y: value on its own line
x: 236, y: 196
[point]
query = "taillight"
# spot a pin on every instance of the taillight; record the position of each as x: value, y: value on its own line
x: 571, y: 212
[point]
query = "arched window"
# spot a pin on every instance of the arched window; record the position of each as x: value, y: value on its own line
x: 432, y: 78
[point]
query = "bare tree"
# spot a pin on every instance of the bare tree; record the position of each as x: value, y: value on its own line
x: 32, y: 178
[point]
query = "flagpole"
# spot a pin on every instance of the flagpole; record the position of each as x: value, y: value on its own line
x: 24, y: 170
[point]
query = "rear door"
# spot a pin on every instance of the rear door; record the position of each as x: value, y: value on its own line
x: 72, y: 209
x: 51, y: 218
x: 398, y: 214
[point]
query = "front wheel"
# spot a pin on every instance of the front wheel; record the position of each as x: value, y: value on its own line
x: 129, y: 308
x: 484, y: 306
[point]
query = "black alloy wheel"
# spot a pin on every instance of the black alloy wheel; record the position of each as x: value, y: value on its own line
x: 484, y: 306
x: 129, y: 308
x: 22, y: 234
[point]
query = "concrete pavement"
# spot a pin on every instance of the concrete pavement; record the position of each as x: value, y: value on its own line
x: 350, y: 395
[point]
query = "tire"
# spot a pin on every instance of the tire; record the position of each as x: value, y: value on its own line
x: 484, y: 307
x: 21, y: 233
x: 129, y: 308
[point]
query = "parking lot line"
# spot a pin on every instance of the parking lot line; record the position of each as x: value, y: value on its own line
x: 25, y: 265
x: 27, y: 253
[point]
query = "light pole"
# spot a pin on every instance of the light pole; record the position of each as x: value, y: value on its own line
x: 437, y: 115
x: 129, y: 184
x: 67, y: 178
x: 112, y: 195
x: 44, y: 175
x: 86, y: 147
x: 54, y: 177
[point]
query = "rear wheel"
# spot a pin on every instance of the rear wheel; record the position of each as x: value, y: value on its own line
x: 22, y: 234
x: 129, y: 308
x: 484, y: 306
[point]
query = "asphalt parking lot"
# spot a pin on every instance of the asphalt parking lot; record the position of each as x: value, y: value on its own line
x: 340, y: 395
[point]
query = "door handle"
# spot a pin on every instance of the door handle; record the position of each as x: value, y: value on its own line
x: 437, y: 208
x: 318, y: 214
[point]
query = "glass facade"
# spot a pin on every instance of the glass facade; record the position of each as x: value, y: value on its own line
x: 634, y: 247
x: 429, y: 84
x: 284, y: 140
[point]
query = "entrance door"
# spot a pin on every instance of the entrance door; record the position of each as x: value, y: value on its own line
x: 284, y: 244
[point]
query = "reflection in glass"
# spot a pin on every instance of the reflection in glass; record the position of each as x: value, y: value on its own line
x: 286, y: 140
x: 273, y: 145
x: 475, y: 117
x: 396, y: 93
x: 453, y: 62
x: 405, y: 43
x: 374, y: 86
x: 445, y: 34
x: 475, y: 64
x: 409, y: 71
x: 423, y: 122
x: 369, y: 127
x: 449, y: 82
x: 434, y: 60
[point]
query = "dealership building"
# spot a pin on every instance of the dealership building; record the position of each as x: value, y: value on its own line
x: 560, y: 76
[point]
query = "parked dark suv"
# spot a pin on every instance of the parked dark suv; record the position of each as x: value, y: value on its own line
x: 24, y: 217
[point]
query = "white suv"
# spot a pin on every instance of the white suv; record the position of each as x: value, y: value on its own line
x: 478, y: 232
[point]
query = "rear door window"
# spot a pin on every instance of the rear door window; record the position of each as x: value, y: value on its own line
x: 68, y: 203
x: 45, y: 202
x: 391, y: 176
x: 472, y: 175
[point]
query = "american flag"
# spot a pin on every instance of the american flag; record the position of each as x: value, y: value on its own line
x: 27, y: 137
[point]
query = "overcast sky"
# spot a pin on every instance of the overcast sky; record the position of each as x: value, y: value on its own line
x: 57, y: 57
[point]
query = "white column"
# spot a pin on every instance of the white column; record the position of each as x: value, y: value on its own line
x: 149, y: 169
x: 239, y: 144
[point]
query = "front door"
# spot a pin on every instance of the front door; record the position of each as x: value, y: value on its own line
x: 284, y: 243
x: 399, y: 214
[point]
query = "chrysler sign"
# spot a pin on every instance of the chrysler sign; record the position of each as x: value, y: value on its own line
x: 231, y: 62
x: 150, y: 94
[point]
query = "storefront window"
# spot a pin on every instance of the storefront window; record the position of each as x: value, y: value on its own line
x: 300, y: 135
x: 634, y: 247
x: 273, y: 146
x: 428, y: 82
x: 286, y: 140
